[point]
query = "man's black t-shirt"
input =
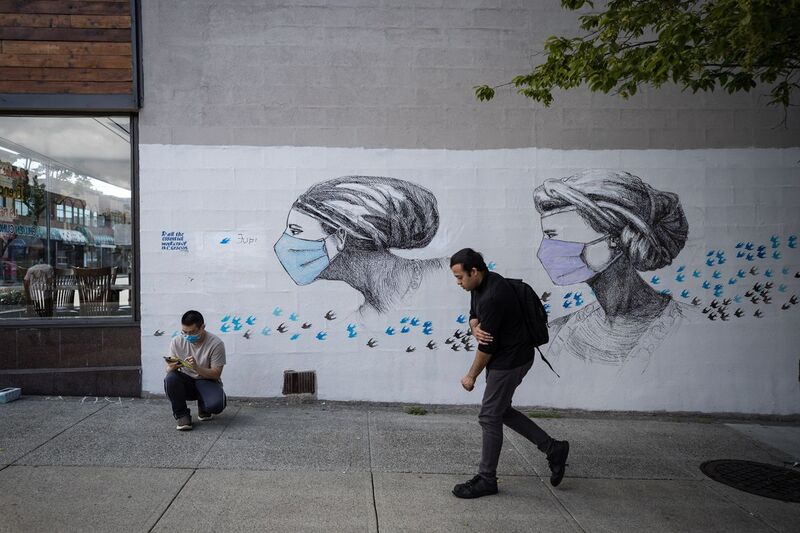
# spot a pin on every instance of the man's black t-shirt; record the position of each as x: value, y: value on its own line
x: 498, y: 310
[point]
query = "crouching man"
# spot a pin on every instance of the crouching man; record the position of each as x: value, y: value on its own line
x: 193, y: 369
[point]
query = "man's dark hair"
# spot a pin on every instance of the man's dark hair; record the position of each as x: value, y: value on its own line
x: 192, y: 318
x: 468, y: 259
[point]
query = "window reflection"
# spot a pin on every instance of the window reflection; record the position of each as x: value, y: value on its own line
x: 65, y: 217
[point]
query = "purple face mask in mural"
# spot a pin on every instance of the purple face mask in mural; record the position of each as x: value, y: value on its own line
x: 564, y: 261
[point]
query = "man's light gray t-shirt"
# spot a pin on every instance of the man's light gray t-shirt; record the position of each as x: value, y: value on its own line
x: 208, y: 354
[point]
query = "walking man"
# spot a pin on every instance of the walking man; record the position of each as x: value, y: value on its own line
x: 193, y: 369
x: 504, y: 350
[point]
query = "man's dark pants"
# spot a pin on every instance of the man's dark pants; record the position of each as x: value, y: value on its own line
x: 496, y: 410
x: 181, y: 388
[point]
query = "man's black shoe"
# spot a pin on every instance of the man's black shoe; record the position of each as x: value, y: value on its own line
x: 475, y: 488
x: 557, y: 459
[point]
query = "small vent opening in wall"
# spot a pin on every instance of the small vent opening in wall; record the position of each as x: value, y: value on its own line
x: 299, y: 382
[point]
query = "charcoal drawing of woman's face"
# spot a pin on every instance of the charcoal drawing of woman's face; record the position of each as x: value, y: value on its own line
x: 305, y: 249
x: 571, y: 250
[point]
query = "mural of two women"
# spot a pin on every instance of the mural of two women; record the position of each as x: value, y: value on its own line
x: 599, y: 227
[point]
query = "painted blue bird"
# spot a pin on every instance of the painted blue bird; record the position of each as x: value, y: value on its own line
x: 251, y: 320
x: 225, y: 318
x: 390, y: 330
x: 782, y: 288
x: 237, y: 327
x: 720, y: 254
x: 351, y: 334
x: 351, y: 327
x: 706, y: 284
x: 414, y: 321
x: 739, y: 244
x: 547, y: 308
x: 655, y: 280
x: 277, y: 311
x: 737, y: 298
x: 710, y: 262
x: 405, y: 329
x: 741, y: 273
x: 578, y: 301
x: 785, y: 271
x: 236, y: 320
x: 684, y: 293
x: 696, y: 274
x: 461, y: 319
x: 225, y: 240
x: 748, y: 246
x: 567, y: 304
x: 225, y: 328
x: 492, y: 265
x: 721, y: 261
x: 568, y: 295
x: 710, y: 253
x: 762, y: 254
x: 294, y: 337
x: 666, y: 291
x: 266, y: 332
x: 681, y: 268
x: 680, y: 278
x: 427, y: 331
x: 732, y: 281
x: 792, y: 242
x: 321, y: 336
x: 775, y: 240
x: 427, y: 324
x: 293, y: 317
x: 716, y: 274
x: 404, y: 320
x: 740, y: 254
x: 750, y: 257
x: 768, y: 272
x: 776, y: 254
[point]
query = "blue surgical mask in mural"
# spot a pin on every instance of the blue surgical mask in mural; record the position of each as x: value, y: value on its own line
x: 303, y: 259
x: 565, y: 261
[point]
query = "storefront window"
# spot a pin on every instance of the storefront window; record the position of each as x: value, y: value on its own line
x: 66, y: 247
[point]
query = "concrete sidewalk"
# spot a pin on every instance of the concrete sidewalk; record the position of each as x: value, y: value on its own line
x: 97, y: 464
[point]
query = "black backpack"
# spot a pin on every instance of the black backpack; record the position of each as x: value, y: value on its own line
x: 533, y: 315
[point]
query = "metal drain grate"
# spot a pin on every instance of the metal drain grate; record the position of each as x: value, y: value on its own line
x: 762, y: 479
x: 299, y: 382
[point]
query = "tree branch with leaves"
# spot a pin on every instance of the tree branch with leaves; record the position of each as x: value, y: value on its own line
x: 699, y: 45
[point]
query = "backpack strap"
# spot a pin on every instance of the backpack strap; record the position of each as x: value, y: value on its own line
x: 546, y: 361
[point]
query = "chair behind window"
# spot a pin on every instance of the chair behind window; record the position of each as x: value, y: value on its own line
x: 39, y: 292
x: 65, y: 289
x: 94, y: 290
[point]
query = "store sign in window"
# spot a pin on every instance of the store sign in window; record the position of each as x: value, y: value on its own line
x: 66, y: 250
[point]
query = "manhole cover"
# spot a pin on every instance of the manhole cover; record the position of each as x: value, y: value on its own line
x: 756, y: 478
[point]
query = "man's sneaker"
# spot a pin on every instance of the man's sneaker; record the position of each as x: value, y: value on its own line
x: 475, y: 488
x: 557, y: 459
x: 184, y: 423
x: 205, y: 416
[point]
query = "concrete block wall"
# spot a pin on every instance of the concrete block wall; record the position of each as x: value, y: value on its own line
x: 399, y: 74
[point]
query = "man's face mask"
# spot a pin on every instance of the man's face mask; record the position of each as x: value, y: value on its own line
x: 304, y: 260
x: 191, y: 339
x: 565, y: 261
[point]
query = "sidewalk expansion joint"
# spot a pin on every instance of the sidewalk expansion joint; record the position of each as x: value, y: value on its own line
x: 48, y: 441
x: 560, y: 505
x: 371, y: 475
x: 171, y: 502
